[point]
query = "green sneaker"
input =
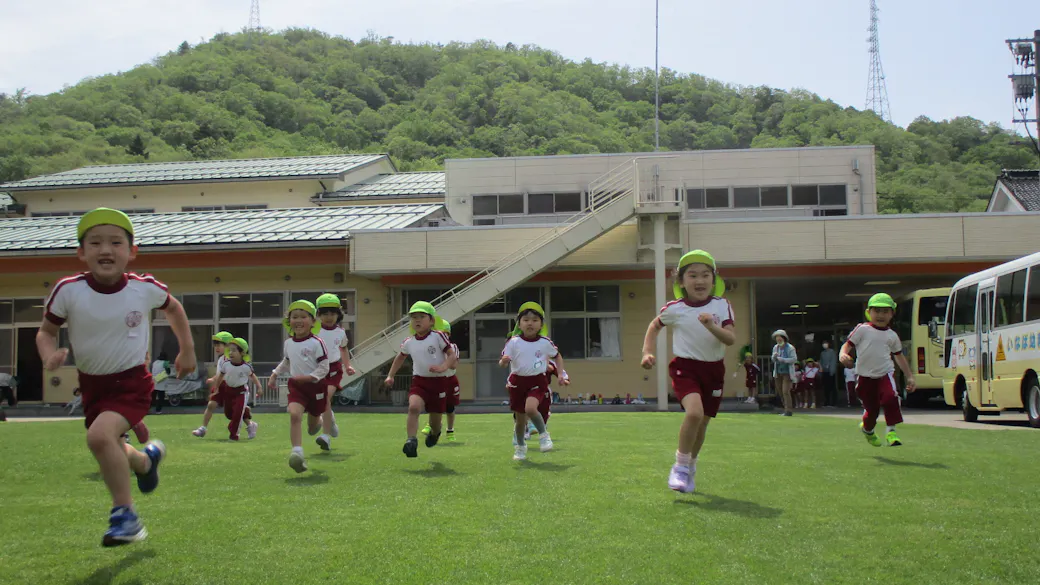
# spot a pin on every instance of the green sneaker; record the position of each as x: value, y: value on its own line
x: 451, y: 436
x: 872, y: 437
x: 893, y: 440
x: 426, y: 430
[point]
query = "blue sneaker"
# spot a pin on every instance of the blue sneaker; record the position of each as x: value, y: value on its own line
x: 147, y: 482
x: 123, y: 527
x: 531, y: 430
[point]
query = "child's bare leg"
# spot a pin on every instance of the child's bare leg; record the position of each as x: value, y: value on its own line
x: 415, y: 406
x: 699, y: 442
x: 520, y: 427
x: 212, y: 406
x: 330, y: 393
x: 327, y: 420
x: 451, y: 420
x: 139, y: 462
x: 104, y: 438
x: 532, y: 413
x: 692, y: 423
x: 435, y: 423
x: 296, y: 424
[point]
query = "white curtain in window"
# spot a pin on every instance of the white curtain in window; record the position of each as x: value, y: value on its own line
x: 610, y: 336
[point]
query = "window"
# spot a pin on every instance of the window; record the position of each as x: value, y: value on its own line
x: 745, y: 197
x: 774, y: 196
x: 931, y: 308
x: 268, y: 305
x: 568, y: 202
x: 7, y: 351
x: 832, y: 194
x: 1011, y: 294
x: 165, y: 342
x: 28, y: 310
x: 695, y: 198
x: 586, y: 321
x: 223, y: 207
x: 485, y: 221
x: 510, y: 302
x: 234, y: 306
x: 829, y: 212
x: 57, y: 213
x: 198, y: 306
x: 460, y: 336
x: 540, y: 203
x: 805, y: 195
x: 1033, y: 300
x: 137, y: 211
x: 716, y: 198
x: 485, y: 205
x: 6, y: 311
x: 266, y: 346
x: 244, y: 207
x: 964, y: 311
x: 510, y: 204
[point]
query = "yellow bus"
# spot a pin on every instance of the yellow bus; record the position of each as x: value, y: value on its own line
x: 920, y: 322
x: 993, y: 322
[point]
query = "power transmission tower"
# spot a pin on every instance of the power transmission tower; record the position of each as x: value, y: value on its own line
x: 254, y: 16
x: 877, y: 92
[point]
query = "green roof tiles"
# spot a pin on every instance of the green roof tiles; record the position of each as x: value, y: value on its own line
x: 400, y: 185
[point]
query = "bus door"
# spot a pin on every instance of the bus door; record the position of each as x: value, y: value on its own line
x: 986, y: 348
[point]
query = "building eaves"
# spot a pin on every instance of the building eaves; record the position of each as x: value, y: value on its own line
x: 391, y: 186
x: 1023, y: 185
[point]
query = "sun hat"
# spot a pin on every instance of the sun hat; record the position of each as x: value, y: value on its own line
x: 425, y: 307
x: 306, y: 306
x: 699, y: 257
x: 531, y: 306
x: 881, y: 300
x: 223, y: 337
x: 781, y: 333
x: 242, y: 345
x: 103, y: 216
x: 328, y: 301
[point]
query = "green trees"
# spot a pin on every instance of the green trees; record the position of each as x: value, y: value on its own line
x: 305, y: 92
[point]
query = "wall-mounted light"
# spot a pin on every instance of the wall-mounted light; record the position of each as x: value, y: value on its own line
x: 287, y: 278
x: 217, y: 279
x: 337, y: 277
x: 631, y: 295
x: 366, y: 300
x: 46, y: 284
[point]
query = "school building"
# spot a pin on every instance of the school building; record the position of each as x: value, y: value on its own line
x: 591, y: 237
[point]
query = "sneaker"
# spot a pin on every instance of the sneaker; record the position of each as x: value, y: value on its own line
x: 545, y: 444
x: 297, y: 462
x: 871, y: 437
x: 520, y: 453
x: 426, y: 430
x: 199, y: 432
x: 141, y: 432
x: 893, y: 439
x: 431, y: 440
x: 324, y: 441
x: 786, y: 414
x: 531, y: 429
x: 411, y: 447
x: 123, y: 527
x: 334, y: 433
x: 451, y: 436
x: 527, y: 435
x: 148, y: 481
x: 251, y: 429
x: 680, y: 479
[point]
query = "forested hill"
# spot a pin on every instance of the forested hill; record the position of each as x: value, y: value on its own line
x: 303, y: 92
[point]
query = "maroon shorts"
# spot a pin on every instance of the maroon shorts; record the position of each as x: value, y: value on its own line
x: 221, y: 395
x: 335, y: 377
x: 453, y: 391
x: 697, y: 377
x: 432, y: 390
x: 128, y: 393
x: 522, y: 387
x: 543, y: 405
x: 311, y: 395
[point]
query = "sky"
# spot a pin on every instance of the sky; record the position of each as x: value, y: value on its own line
x: 941, y: 59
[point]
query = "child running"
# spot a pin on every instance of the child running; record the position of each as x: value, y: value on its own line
x: 702, y: 323
x: 812, y: 384
x: 234, y: 377
x: 330, y: 312
x: 217, y: 392
x: 432, y: 355
x: 453, y: 399
x: 306, y: 361
x: 877, y: 350
x: 751, y: 375
x: 850, y: 387
x: 527, y: 353
x: 107, y: 311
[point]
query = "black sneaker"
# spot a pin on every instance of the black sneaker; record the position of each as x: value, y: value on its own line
x: 432, y: 439
x: 411, y: 447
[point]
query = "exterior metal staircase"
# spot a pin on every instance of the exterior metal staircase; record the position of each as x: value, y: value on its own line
x: 612, y: 200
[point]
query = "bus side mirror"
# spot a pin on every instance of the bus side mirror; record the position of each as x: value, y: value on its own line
x: 933, y: 329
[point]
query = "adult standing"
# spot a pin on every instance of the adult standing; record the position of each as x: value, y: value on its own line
x: 159, y: 373
x: 829, y: 365
x: 783, y: 358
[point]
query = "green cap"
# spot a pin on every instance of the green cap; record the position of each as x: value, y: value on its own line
x: 103, y: 216
x: 329, y: 301
x: 242, y: 345
x: 303, y: 306
x: 533, y: 306
x: 880, y: 300
x: 699, y: 257
x: 223, y: 337
x: 425, y: 307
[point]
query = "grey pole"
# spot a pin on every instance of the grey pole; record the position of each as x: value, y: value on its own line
x: 657, y: 76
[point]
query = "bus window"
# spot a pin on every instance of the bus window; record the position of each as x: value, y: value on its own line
x: 931, y: 308
x: 901, y: 320
x: 964, y: 311
x: 1011, y: 293
x: 1033, y: 304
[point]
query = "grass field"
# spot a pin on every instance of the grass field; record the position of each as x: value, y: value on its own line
x: 800, y: 500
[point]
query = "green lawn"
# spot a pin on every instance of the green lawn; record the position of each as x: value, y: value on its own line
x: 800, y: 500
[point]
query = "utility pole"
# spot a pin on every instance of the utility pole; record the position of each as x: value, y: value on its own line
x: 657, y: 75
x: 1026, y: 83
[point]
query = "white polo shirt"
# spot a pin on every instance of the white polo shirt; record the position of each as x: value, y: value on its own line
x: 874, y: 350
x: 236, y: 376
x: 529, y: 357
x: 334, y: 339
x: 304, y: 357
x: 108, y: 325
x: 427, y: 351
x: 690, y: 338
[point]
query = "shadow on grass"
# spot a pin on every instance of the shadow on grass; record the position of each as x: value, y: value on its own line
x: 105, y: 575
x: 436, y: 469
x: 731, y: 506
x: 92, y: 476
x: 546, y: 466
x: 899, y: 463
x: 450, y: 444
x: 315, y: 477
x: 330, y: 456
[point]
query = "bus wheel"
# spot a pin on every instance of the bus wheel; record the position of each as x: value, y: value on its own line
x: 174, y: 400
x: 971, y: 414
x: 1033, y: 402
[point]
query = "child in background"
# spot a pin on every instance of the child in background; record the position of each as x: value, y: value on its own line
x: 797, y: 387
x: 702, y: 323
x: 235, y: 374
x: 878, y: 350
x: 751, y: 375
x: 307, y: 363
x: 454, y: 391
x: 850, y: 387
x: 432, y: 356
x: 330, y: 311
x: 812, y: 387
x: 217, y: 392
x: 107, y: 311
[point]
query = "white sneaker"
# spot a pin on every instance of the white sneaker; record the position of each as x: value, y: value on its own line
x: 251, y: 429
x: 545, y: 443
x: 199, y: 432
x: 297, y: 462
x: 324, y: 441
x: 520, y: 453
x: 335, y: 431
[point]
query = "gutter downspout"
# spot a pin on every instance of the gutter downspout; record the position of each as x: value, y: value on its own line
x: 855, y: 171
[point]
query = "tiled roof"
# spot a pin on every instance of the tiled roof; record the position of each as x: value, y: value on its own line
x: 422, y: 184
x: 316, y: 167
x: 5, y: 199
x: 256, y: 226
x: 1024, y: 186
